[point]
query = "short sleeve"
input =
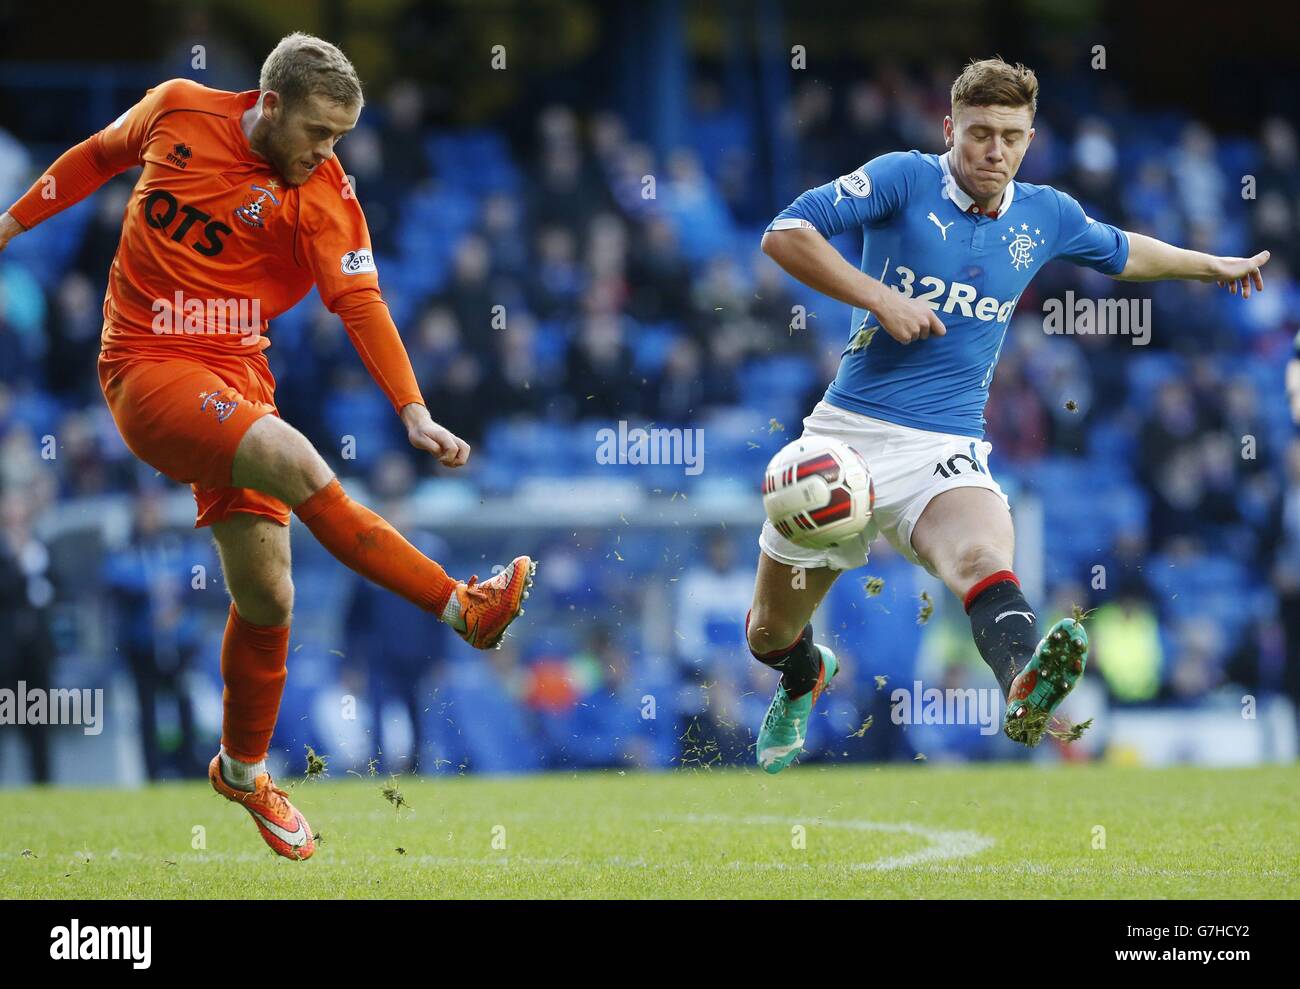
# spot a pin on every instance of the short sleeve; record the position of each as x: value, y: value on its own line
x: 1085, y: 241
x: 865, y: 197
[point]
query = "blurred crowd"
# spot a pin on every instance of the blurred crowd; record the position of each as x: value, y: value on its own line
x: 574, y: 275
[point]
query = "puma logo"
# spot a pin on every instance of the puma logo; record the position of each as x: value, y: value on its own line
x: 943, y: 227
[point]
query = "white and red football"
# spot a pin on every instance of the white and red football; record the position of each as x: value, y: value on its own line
x: 818, y: 492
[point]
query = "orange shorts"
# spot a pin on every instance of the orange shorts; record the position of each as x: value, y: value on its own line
x: 185, y: 417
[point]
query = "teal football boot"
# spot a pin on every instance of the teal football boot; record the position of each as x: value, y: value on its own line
x: 785, y: 726
x: 1047, y: 679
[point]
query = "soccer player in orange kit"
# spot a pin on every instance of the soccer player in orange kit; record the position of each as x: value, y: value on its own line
x: 240, y: 209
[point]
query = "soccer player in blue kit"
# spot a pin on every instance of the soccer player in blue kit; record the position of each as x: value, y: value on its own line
x: 949, y: 244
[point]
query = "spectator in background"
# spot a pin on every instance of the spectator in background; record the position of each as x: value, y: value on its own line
x: 1284, y: 541
x: 1017, y: 421
x: 392, y: 648
x: 1198, y: 181
x: 503, y: 229
x: 1169, y: 462
x: 358, y: 418
x: 88, y: 472
x: 1126, y: 646
x: 26, y: 593
x: 681, y: 391
x: 525, y: 388
x: 436, y: 341
x: 1198, y: 662
x: 470, y: 295
x: 771, y: 308
x: 1095, y: 160
x: 402, y: 137
x: 599, y: 369
x: 1279, y: 190
x: 148, y: 582
x: 605, y: 726
x: 1150, y: 204
x: 659, y: 277
x: 712, y: 600
x: 562, y: 185
x: 557, y: 280
x: 74, y: 327
x: 458, y: 397
x: 695, y: 208
x: 99, y: 243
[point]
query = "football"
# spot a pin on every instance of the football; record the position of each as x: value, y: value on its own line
x: 818, y: 492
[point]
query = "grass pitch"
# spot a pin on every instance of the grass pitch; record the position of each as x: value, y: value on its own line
x: 888, y: 832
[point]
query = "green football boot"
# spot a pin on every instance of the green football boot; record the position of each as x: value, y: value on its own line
x: 785, y: 726
x: 1047, y: 679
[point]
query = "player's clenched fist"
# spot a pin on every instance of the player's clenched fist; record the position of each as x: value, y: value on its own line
x: 425, y: 434
x: 907, y: 319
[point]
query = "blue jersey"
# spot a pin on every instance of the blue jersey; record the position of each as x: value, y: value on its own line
x: 923, y: 238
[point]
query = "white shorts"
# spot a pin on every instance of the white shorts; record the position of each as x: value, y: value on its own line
x: 908, y: 467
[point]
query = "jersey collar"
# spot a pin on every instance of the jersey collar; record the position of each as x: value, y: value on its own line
x: 243, y: 102
x: 964, y: 202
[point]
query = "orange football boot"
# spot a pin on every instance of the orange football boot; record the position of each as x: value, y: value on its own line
x: 281, y: 823
x: 488, y: 608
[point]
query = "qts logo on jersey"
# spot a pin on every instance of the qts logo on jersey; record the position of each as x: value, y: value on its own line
x: 161, y: 210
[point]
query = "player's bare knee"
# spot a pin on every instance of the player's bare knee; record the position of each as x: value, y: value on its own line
x: 266, y: 601
x: 279, y: 460
x: 769, y: 631
x: 975, y: 561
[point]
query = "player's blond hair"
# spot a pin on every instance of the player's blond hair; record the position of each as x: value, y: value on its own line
x: 994, y: 82
x: 302, y: 65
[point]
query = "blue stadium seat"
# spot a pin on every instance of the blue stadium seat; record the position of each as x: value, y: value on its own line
x: 478, y: 161
x: 651, y: 344
x: 492, y: 725
x: 774, y: 388
x: 1147, y: 373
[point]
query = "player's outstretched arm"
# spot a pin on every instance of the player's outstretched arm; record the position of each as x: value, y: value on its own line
x: 808, y: 256
x: 1151, y: 260
x: 85, y: 167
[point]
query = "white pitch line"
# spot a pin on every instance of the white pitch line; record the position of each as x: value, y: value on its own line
x: 943, y: 844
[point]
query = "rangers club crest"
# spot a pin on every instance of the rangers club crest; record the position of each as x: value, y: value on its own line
x: 253, y: 213
x: 1021, y: 246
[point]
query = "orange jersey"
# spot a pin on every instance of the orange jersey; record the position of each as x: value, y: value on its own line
x: 214, y: 243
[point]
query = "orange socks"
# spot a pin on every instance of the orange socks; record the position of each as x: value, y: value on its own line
x: 253, y: 668
x: 253, y: 657
x: 373, y: 548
